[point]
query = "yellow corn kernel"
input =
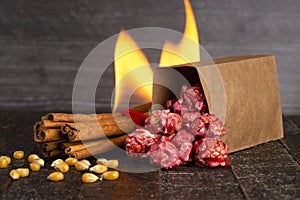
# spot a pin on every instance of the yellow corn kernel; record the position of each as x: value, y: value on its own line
x: 89, y: 178
x: 86, y: 162
x: 101, y: 161
x: 32, y: 157
x: 64, y: 167
x: 18, y: 155
x: 99, y: 169
x: 71, y: 161
x: 3, y: 163
x: 56, y: 176
x: 24, y: 172
x: 111, y: 175
x: 81, y: 166
x: 7, y: 158
x: 40, y: 162
x: 112, y: 163
x: 14, y: 174
x: 35, y: 167
x: 57, y: 162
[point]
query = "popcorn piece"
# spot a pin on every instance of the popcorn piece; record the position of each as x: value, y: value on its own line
x: 208, y: 125
x: 184, y: 142
x: 211, y: 152
x: 138, y: 142
x: 164, y: 153
x: 163, y: 122
x: 192, y: 100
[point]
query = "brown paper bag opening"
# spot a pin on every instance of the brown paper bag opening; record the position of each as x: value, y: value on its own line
x: 242, y: 91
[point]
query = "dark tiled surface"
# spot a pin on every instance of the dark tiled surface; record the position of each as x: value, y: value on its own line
x: 267, y: 171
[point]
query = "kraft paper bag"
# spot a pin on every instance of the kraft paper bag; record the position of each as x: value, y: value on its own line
x: 242, y: 91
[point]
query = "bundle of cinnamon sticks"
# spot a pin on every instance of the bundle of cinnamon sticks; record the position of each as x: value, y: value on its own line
x: 80, y: 135
x: 59, y: 134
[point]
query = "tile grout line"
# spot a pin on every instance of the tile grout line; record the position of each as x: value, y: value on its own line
x: 285, y: 146
x: 291, y: 122
x: 240, y: 184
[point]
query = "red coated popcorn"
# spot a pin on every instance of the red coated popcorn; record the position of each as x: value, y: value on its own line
x: 185, y: 152
x: 183, y: 136
x: 184, y: 142
x: 189, y: 117
x: 171, y: 122
x: 192, y: 100
x: 153, y: 122
x: 208, y: 125
x: 211, y: 152
x: 164, y: 153
x: 182, y: 133
x: 163, y: 122
x: 138, y: 143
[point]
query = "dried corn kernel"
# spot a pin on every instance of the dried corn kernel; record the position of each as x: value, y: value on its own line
x: 56, y: 176
x: 39, y: 161
x: 99, y: 169
x: 35, y: 167
x: 57, y: 162
x: 18, y: 155
x: 24, y: 172
x: 112, y: 163
x: 71, y: 161
x: 64, y: 167
x: 81, y: 166
x: 7, y: 158
x: 86, y: 162
x: 111, y: 175
x: 14, y: 174
x: 32, y: 157
x: 89, y: 178
x: 3, y: 163
x: 101, y: 161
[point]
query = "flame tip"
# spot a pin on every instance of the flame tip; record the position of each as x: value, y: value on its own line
x: 187, y: 50
x: 131, y: 65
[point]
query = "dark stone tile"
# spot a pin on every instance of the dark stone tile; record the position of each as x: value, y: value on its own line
x: 267, y: 171
x: 191, y: 182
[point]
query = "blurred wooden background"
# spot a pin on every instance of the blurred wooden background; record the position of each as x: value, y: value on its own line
x: 44, y: 42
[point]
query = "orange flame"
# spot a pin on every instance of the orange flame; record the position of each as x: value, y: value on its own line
x: 187, y: 50
x: 132, y: 70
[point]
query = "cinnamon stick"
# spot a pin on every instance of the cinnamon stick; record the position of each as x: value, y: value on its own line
x: 55, y: 152
x: 65, y: 117
x: 52, y: 124
x: 67, y: 144
x: 49, y: 146
x: 97, y: 147
x: 85, y: 131
x: 77, y: 147
x: 36, y: 128
x: 40, y: 130
x: 47, y: 135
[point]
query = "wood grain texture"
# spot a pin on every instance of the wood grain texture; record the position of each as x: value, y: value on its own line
x: 44, y: 42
